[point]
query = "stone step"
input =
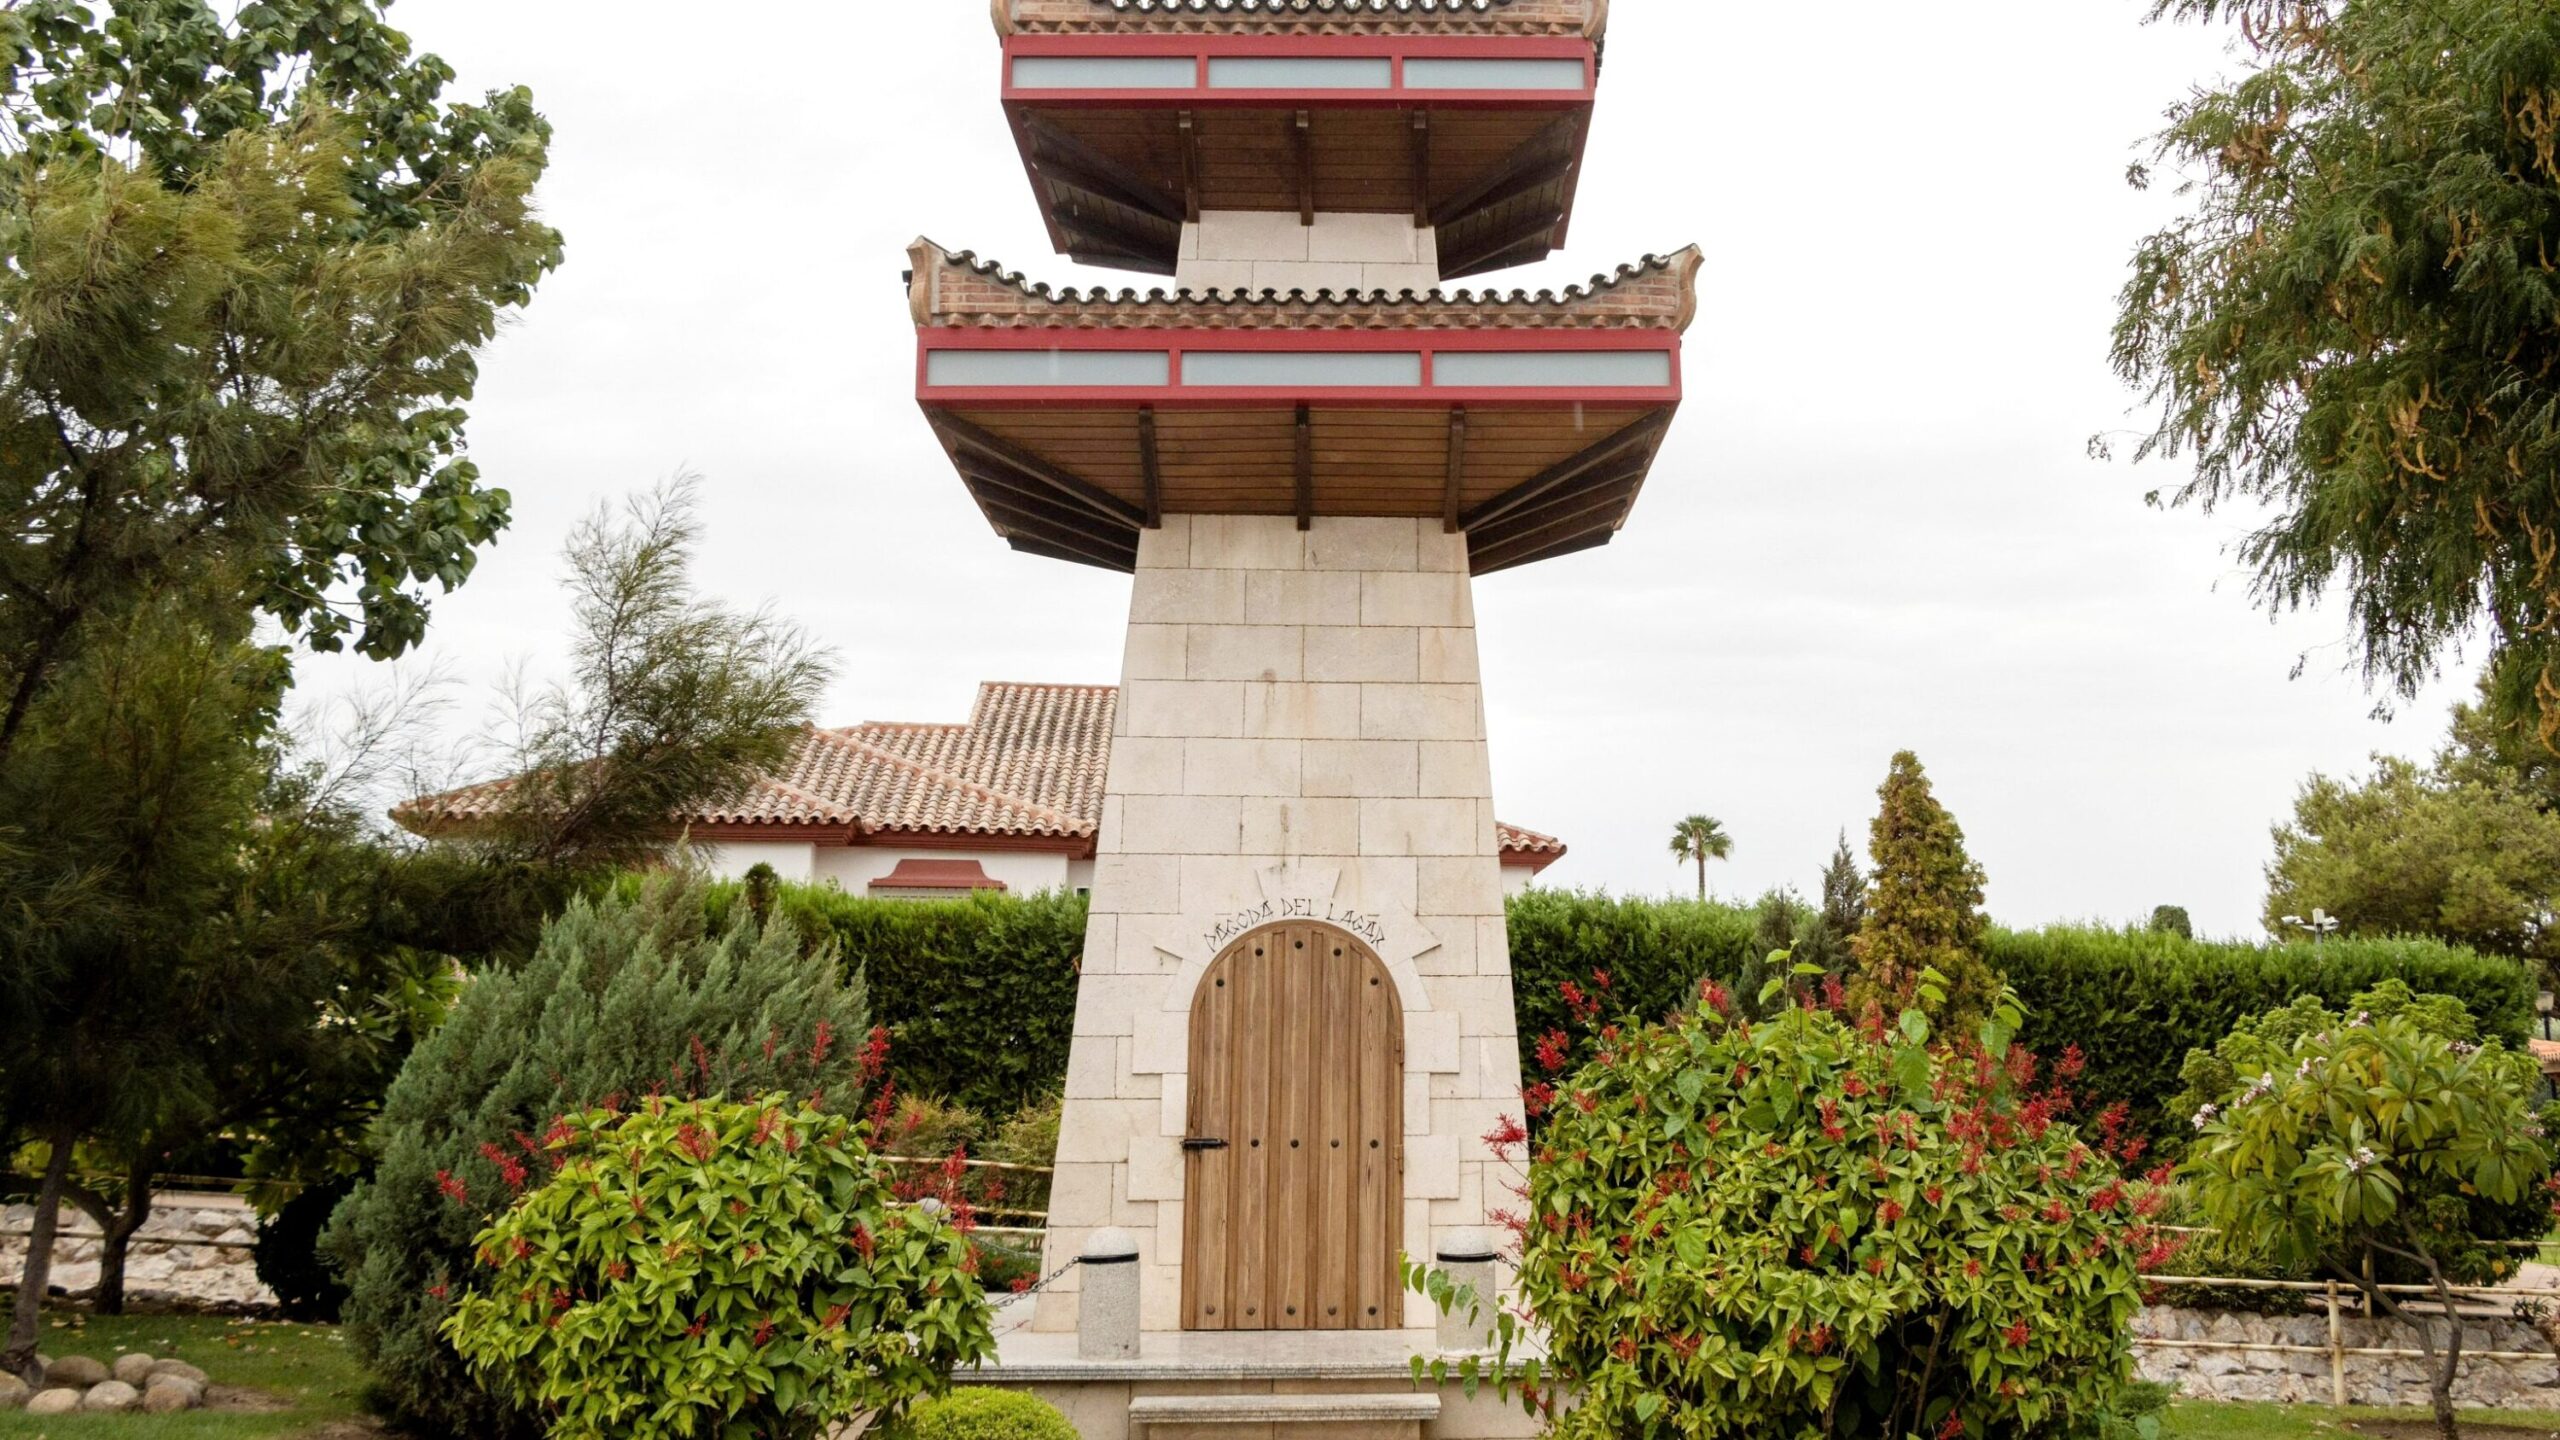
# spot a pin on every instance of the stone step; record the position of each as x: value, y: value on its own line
x: 1384, y: 1416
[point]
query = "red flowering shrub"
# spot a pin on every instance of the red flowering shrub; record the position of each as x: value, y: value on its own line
x: 711, y: 1268
x: 1810, y: 1226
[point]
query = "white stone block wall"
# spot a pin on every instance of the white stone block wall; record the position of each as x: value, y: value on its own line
x: 1271, y: 250
x: 1301, y: 724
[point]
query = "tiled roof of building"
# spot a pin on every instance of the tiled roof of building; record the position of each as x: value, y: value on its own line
x: 957, y: 288
x: 1480, y: 17
x: 1516, y: 841
x: 1029, y: 763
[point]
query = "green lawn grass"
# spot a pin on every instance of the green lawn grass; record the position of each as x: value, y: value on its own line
x: 2199, y: 1420
x: 306, y: 1366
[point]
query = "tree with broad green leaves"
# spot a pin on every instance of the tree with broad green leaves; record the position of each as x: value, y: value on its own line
x: 2356, y: 322
x: 1923, y: 908
x: 252, y: 258
x: 2371, y: 1140
x: 1700, y: 838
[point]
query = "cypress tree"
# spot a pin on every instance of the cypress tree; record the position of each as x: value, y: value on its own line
x: 1923, y: 908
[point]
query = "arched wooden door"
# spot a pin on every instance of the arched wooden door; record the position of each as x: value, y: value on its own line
x: 1294, y: 1165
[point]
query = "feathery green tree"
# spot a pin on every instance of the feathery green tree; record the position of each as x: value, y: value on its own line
x: 2357, y: 323
x: 674, y: 699
x: 1923, y: 909
x: 1700, y: 838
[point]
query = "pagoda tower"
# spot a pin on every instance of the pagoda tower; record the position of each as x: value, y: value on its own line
x: 1295, y: 1022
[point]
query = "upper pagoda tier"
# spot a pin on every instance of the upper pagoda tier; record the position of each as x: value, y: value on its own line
x: 1136, y: 117
x: 1078, y: 417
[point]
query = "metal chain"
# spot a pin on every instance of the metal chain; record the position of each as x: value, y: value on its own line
x: 1027, y: 1292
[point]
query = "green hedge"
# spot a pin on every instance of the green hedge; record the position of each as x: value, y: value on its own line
x: 1653, y: 951
x: 2136, y: 1001
x: 979, y: 995
x: 2133, y: 1001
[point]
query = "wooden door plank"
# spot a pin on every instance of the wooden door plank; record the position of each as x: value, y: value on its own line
x: 1249, y: 1224
x: 1209, y: 1174
x: 1295, y: 1089
x: 1381, y: 1098
x: 1337, y: 1238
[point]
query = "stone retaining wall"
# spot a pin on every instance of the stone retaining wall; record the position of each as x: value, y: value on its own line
x: 217, y: 1274
x: 2234, y: 1374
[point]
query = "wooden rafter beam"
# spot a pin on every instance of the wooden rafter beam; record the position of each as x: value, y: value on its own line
x: 1118, y: 259
x: 1013, y: 523
x: 1093, y: 231
x: 1421, y: 167
x: 1625, y: 472
x: 1303, y: 135
x: 1151, y: 464
x: 1471, y: 255
x: 1449, y: 495
x: 959, y: 434
x: 1061, y: 156
x: 1563, y: 473
x: 994, y: 486
x: 1190, y: 133
x: 1589, y: 540
x: 1606, y: 506
x: 1548, y: 156
x: 1306, y: 469
x: 1029, y: 546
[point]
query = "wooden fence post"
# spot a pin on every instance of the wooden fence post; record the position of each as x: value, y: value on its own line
x: 2337, y: 1352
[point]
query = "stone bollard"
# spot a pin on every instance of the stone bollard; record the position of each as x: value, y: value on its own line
x: 1468, y: 1258
x: 1107, y: 1317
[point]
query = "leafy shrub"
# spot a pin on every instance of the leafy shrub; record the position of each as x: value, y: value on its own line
x: 1809, y: 1227
x: 982, y: 1414
x: 623, y: 997
x: 288, y: 1257
x: 2374, y: 1138
x: 979, y: 995
x: 705, y: 1267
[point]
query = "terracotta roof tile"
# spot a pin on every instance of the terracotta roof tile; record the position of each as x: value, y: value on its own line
x: 1030, y: 763
x: 958, y: 289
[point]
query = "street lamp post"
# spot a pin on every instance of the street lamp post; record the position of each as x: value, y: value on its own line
x: 2321, y: 925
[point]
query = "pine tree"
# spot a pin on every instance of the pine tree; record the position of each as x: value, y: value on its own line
x: 621, y: 999
x: 1824, y: 940
x: 1923, y: 909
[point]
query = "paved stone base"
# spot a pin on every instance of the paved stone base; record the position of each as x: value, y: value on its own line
x: 1096, y: 1395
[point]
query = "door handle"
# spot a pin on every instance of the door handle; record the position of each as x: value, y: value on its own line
x: 1195, y: 1145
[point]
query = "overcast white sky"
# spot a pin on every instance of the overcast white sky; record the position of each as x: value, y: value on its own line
x: 1873, y: 528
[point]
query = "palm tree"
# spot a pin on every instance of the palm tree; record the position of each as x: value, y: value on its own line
x: 1700, y: 838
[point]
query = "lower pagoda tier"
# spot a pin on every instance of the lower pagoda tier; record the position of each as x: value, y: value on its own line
x: 1079, y: 418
